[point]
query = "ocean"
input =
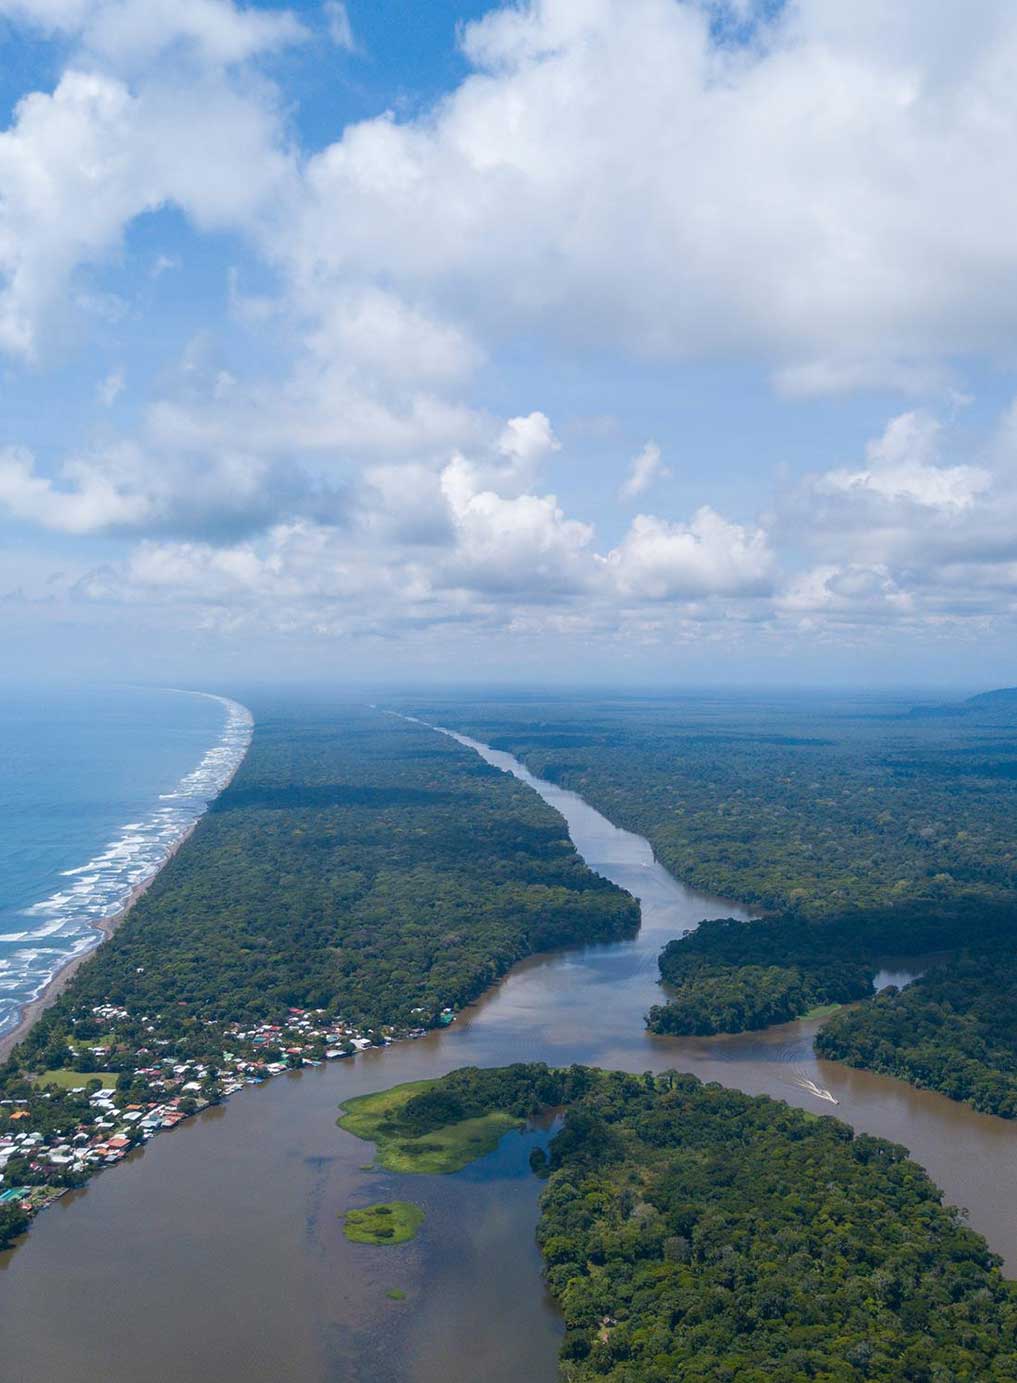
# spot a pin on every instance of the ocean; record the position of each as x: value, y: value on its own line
x: 96, y: 788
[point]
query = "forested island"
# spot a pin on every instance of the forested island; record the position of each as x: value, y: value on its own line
x: 731, y: 976
x: 858, y: 829
x: 691, y: 1231
x: 361, y: 880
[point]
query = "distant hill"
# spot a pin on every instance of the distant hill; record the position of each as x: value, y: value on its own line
x: 1003, y: 699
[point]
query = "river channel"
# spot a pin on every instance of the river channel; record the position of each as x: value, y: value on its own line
x: 217, y: 1252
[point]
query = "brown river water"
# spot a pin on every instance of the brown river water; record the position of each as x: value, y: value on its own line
x: 217, y: 1252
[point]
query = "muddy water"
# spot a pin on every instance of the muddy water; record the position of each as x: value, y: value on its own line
x: 217, y: 1252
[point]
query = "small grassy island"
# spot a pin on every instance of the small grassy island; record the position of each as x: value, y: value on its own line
x: 395, y: 1222
x: 379, y: 878
x: 693, y: 1232
x: 424, y: 1127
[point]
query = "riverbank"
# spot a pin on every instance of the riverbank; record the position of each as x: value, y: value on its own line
x: 651, y: 1173
x: 215, y: 987
x: 182, y: 1213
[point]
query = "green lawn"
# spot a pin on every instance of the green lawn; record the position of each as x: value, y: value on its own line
x: 448, y: 1149
x: 821, y: 1011
x: 395, y: 1222
x: 69, y: 1080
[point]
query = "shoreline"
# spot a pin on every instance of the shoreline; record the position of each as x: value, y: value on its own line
x: 678, y: 1051
x: 105, y: 926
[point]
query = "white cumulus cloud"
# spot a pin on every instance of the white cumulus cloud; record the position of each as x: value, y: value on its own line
x: 903, y: 465
x: 710, y: 555
x: 111, y: 388
x: 80, y: 163
x: 644, y: 470
x: 130, y: 32
x: 613, y: 175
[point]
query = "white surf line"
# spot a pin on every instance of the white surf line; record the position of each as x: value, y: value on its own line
x: 104, y: 885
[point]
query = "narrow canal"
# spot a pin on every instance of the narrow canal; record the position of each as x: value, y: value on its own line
x: 217, y: 1252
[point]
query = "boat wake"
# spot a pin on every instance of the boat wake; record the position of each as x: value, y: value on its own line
x: 810, y: 1087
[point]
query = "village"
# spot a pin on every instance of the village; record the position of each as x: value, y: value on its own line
x: 115, y: 1107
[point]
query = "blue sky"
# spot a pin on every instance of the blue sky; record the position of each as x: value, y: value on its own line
x: 649, y: 340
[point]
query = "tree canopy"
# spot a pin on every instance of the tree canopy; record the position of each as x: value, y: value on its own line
x: 858, y: 829
x: 694, y: 1232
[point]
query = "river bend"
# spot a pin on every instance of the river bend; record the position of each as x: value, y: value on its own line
x: 217, y: 1252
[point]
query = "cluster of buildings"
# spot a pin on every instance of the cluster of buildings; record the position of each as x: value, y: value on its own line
x: 153, y: 1093
x: 103, y: 1135
x: 305, y: 1037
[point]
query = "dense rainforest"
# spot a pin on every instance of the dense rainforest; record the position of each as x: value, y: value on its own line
x: 358, y: 863
x: 731, y: 976
x: 954, y: 1030
x: 694, y: 1232
x: 857, y: 828
x: 360, y: 869
x: 822, y: 808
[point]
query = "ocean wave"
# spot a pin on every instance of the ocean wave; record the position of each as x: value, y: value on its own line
x: 65, y: 922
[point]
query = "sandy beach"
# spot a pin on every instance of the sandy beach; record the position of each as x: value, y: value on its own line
x: 106, y: 926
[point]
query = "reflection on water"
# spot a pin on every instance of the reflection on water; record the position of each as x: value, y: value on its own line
x: 218, y: 1251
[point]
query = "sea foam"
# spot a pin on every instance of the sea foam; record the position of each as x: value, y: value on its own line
x: 105, y: 884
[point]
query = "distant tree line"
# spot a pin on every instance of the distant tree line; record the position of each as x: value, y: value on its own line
x: 807, y: 808
x: 856, y: 831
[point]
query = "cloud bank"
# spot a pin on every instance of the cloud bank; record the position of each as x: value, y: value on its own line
x: 823, y: 192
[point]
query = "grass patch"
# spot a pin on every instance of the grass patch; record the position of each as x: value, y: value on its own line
x: 395, y: 1222
x: 70, y: 1080
x: 448, y: 1149
x: 821, y: 1011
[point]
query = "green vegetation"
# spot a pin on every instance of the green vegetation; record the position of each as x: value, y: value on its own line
x: 416, y: 1130
x: 361, y: 878
x: 739, y: 1000
x: 822, y: 1011
x: 697, y: 1233
x: 396, y: 1294
x: 358, y: 864
x: 13, y: 1223
x: 953, y: 1030
x: 821, y: 808
x: 858, y: 828
x: 731, y: 976
x: 395, y: 1222
x: 72, y: 1080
